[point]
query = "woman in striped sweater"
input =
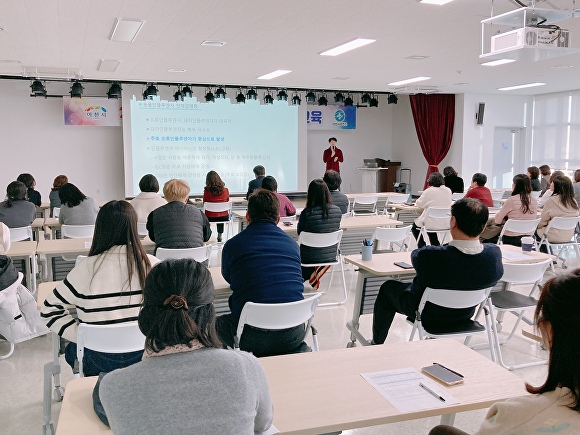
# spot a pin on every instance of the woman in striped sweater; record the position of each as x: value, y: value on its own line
x: 105, y: 288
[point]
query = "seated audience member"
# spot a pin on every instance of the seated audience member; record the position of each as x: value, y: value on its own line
x: 178, y: 224
x: 560, y: 204
x: 215, y: 191
x: 453, y: 181
x: 4, y: 238
x: 262, y: 264
x: 76, y: 208
x: 521, y: 206
x: 478, y: 190
x: 286, y: 206
x: 319, y: 216
x: 186, y: 384
x: 438, y: 267
x: 576, y: 186
x: 534, y: 174
x: 148, y: 199
x: 542, y: 200
x: 333, y: 181
x: 256, y: 183
x: 545, y: 180
x: 16, y: 211
x: 33, y: 195
x: 54, y: 198
x: 106, y: 287
x: 436, y: 195
x: 553, y: 407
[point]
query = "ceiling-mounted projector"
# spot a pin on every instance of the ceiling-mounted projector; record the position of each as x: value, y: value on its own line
x: 530, y: 37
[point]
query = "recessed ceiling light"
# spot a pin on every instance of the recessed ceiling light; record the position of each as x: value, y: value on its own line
x: 274, y: 74
x: 356, y: 43
x: 213, y: 43
x: 126, y: 29
x: 176, y: 70
x: 436, y: 2
x: 340, y: 78
x: 460, y: 84
x: 561, y: 66
x: 108, y: 65
x: 528, y: 85
x: 9, y: 61
x: 417, y: 57
x: 498, y: 62
x: 405, y: 82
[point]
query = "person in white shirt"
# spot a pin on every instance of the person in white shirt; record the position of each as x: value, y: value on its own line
x: 148, y: 200
x: 436, y: 195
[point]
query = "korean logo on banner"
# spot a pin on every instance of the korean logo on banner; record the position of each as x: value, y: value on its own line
x: 92, y: 111
x: 331, y: 117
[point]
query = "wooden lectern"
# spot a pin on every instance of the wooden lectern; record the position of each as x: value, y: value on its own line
x: 380, y: 178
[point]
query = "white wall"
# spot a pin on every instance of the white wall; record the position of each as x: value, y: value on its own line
x: 35, y: 140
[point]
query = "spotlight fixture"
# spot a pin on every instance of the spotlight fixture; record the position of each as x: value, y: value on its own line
x: 323, y: 101
x: 338, y: 97
x: 220, y: 93
x: 178, y: 96
x: 150, y: 92
x: 374, y: 102
x: 282, y: 95
x: 268, y: 99
x: 296, y: 99
x: 76, y: 90
x: 348, y: 101
x: 241, y: 98
x: 251, y: 94
x: 392, y: 99
x: 310, y: 97
x: 366, y: 97
x: 186, y: 92
x: 38, y: 88
x: 209, y: 97
x: 115, y: 91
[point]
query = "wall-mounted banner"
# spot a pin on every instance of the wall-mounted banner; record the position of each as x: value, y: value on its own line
x: 92, y: 111
x: 331, y: 117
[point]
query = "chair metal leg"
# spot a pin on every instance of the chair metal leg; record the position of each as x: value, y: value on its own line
x: 314, y: 338
x: 345, y: 292
x: 10, y: 351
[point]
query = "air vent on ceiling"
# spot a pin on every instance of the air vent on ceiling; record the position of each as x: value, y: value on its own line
x: 51, y: 73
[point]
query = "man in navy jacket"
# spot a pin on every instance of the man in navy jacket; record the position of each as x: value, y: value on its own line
x: 464, y: 264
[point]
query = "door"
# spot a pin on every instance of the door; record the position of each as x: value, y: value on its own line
x: 506, y: 156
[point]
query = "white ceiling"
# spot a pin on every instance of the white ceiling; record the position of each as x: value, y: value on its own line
x: 264, y: 35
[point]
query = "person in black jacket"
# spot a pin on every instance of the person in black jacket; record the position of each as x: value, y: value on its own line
x: 319, y: 216
x: 33, y: 195
x: 256, y: 183
x: 333, y: 181
x: 452, y: 180
x: 178, y: 224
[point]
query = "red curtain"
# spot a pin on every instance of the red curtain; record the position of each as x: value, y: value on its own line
x: 434, y: 117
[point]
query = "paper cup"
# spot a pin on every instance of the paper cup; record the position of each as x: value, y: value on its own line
x: 527, y: 244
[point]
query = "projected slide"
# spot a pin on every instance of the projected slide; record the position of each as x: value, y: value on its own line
x: 187, y: 139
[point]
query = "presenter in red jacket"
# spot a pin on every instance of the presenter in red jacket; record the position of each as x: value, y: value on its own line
x: 332, y: 156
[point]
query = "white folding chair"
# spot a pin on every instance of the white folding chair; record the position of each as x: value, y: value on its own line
x: 142, y: 229
x: 118, y: 338
x: 563, y: 224
x: 397, y: 198
x: 519, y: 226
x: 367, y: 204
x: 217, y: 207
x: 56, y: 212
x: 536, y: 194
x: 77, y: 231
x: 496, y: 195
x: 20, y: 233
x: 393, y: 237
x: 509, y: 301
x: 455, y: 299
x: 457, y: 196
x: 199, y: 254
x: 279, y: 316
x: 8, y: 290
x: 436, y: 221
x: 324, y: 240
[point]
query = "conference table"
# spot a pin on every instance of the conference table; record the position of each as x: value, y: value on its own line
x: 372, y: 274
x: 321, y: 392
x: 26, y: 253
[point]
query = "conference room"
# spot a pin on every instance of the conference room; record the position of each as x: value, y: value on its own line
x: 496, y: 132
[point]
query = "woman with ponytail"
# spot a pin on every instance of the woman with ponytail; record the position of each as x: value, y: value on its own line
x: 186, y: 382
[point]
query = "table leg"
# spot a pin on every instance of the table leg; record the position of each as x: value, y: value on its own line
x: 353, y: 324
x: 448, y: 419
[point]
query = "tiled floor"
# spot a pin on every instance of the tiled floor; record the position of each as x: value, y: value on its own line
x: 21, y: 375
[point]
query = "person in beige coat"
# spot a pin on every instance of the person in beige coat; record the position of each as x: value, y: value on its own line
x: 560, y: 204
x: 148, y: 200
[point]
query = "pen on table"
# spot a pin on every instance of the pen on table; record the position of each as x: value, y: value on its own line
x: 447, y: 368
x: 430, y: 391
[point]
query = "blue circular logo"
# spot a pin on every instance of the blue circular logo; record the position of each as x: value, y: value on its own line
x: 339, y: 115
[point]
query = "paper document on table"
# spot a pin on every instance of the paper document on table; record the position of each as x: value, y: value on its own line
x: 516, y: 255
x: 271, y: 431
x: 408, y: 390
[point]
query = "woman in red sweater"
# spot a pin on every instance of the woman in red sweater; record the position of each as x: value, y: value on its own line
x: 215, y: 191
